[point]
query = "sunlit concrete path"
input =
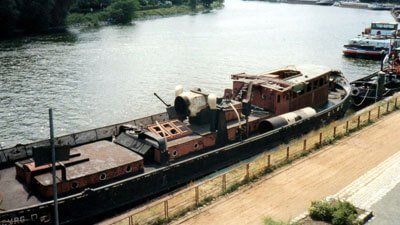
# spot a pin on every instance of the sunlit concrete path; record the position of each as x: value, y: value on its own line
x: 289, y: 191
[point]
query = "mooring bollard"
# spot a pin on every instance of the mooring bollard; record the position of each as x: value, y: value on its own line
x: 395, y: 103
x: 269, y: 161
x: 287, y: 153
x: 334, y: 131
x: 347, y: 126
x: 358, y: 121
x: 196, y: 195
x: 166, y: 209
x: 304, y: 144
x: 387, y: 107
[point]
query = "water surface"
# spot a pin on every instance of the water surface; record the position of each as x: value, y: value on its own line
x: 96, y: 77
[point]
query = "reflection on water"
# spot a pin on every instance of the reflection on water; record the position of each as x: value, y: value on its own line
x: 94, y: 77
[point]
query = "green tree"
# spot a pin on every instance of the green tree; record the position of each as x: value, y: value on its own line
x: 192, y: 4
x: 35, y: 15
x: 122, y: 11
x: 207, y: 3
x: 9, y: 14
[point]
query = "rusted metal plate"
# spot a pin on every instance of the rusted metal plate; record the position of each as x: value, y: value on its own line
x: 170, y: 129
x: 103, y: 155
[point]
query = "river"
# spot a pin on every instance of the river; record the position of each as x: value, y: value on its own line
x: 100, y: 76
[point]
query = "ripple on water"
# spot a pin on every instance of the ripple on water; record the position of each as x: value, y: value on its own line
x: 95, y: 77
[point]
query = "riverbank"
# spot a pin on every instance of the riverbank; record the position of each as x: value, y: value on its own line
x: 98, y: 18
x: 289, y: 191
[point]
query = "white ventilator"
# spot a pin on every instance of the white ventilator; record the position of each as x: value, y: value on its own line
x: 212, y: 101
x: 178, y: 90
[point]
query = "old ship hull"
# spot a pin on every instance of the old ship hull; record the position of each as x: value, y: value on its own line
x: 93, y: 202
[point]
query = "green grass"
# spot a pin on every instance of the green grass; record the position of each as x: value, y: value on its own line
x: 161, y: 12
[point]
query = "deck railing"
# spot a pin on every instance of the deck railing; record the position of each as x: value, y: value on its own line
x: 177, y: 204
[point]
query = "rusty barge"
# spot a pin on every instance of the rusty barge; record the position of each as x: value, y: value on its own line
x: 118, y: 165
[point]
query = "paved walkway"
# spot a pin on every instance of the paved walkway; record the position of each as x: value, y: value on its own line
x: 289, y: 192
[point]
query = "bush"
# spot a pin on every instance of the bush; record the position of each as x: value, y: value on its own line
x: 335, y: 212
x: 321, y: 210
x: 122, y: 11
x: 345, y: 213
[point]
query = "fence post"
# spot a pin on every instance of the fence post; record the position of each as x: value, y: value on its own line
x: 369, y: 116
x: 334, y: 131
x: 304, y: 144
x: 379, y: 111
x: 387, y: 107
x: 320, y: 138
x: 130, y: 220
x: 247, y: 171
x: 166, y: 209
x: 287, y: 153
x: 358, y: 121
x: 347, y: 126
x: 269, y: 161
x: 224, y: 182
x: 196, y: 195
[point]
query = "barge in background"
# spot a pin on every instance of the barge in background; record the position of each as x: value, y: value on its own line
x: 119, y: 165
x: 374, y: 43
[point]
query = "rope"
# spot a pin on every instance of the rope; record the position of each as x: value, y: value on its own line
x: 365, y: 97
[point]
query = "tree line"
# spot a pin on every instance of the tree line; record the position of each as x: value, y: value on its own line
x: 38, y: 16
x: 31, y: 16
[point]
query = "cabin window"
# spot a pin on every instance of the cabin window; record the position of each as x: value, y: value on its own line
x: 128, y: 168
x: 278, y: 98
x: 174, y: 153
x: 196, y: 146
x: 315, y: 86
x: 321, y: 82
x: 103, y: 176
x: 308, y: 87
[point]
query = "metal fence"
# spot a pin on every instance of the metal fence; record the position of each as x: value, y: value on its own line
x: 177, y: 204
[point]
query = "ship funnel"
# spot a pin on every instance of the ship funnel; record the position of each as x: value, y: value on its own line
x: 212, y: 101
x: 178, y: 90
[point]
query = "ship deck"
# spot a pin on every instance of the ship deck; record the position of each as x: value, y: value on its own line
x: 14, y: 194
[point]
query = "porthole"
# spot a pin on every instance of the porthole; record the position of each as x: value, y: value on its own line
x: 74, y: 185
x: 103, y: 176
x: 196, y: 146
x: 128, y: 168
x: 174, y: 153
